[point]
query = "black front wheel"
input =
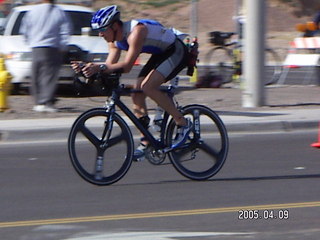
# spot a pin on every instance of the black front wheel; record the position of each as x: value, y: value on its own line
x: 100, y: 146
x: 206, y: 149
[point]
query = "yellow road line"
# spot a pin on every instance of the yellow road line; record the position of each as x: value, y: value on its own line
x: 157, y: 214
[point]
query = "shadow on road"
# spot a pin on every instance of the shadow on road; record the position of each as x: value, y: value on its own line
x: 264, y: 178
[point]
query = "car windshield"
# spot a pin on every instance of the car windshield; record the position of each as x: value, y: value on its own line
x: 79, y: 20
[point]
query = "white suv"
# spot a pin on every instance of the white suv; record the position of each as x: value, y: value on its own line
x: 83, y: 44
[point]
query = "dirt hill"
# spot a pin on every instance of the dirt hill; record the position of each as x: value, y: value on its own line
x: 213, y: 15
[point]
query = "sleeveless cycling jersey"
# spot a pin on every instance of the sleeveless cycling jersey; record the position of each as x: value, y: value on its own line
x: 158, y: 38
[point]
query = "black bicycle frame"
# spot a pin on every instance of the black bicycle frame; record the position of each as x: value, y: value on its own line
x: 151, y: 139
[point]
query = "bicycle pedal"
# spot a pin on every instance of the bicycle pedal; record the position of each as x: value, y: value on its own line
x: 138, y: 159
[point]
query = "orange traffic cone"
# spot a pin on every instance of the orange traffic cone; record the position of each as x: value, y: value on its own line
x: 317, y: 144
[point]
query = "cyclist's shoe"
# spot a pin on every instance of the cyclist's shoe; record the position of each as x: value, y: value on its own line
x: 182, y: 134
x: 139, y: 153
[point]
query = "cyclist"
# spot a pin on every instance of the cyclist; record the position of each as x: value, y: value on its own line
x: 168, y: 58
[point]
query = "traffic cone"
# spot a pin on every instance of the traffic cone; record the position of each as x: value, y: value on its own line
x: 317, y: 144
x: 194, y: 77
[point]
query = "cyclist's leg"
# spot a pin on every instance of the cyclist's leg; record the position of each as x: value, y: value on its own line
x: 166, y: 67
x: 139, y: 100
x: 150, y: 87
x: 141, y: 112
x: 159, y: 69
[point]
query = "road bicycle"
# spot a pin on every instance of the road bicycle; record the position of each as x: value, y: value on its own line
x: 225, y: 59
x: 101, y: 144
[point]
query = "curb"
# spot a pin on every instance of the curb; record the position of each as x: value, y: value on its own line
x: 285, y: 126
x: 61, y: 133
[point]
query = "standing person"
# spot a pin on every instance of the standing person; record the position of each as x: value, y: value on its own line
x: 46, y: 29
x: 168, y: 58
x: 316, y: 20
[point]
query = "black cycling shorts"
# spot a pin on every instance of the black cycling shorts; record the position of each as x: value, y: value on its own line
x: 168, y: 63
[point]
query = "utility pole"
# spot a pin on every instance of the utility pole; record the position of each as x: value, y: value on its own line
x: 237, y: 13
x: 194, y: 18
x: 254, y: 62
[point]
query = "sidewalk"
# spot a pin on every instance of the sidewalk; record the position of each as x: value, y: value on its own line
x: 286, y: 108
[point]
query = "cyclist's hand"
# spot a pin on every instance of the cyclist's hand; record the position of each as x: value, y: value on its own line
x: 90, y: 69
x: 77, y: 66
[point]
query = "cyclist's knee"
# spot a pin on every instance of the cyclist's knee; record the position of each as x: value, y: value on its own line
x: 149, y: 88
x: 138, y: 98
x: 152, y: 83
x: 145, y: 89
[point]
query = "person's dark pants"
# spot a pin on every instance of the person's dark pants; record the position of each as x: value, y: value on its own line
x: 46, y: 63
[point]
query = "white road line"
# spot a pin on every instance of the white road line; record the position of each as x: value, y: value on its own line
x: 155, y: 235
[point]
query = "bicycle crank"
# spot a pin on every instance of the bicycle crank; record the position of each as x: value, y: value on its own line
x: 155, y: 157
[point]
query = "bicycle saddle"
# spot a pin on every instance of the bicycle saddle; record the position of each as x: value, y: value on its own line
x: 219, y: 34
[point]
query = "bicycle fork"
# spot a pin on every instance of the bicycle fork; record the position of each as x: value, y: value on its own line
x: 108, y: 124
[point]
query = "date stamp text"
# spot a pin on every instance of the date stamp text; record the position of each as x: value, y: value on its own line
x: 267, y: 214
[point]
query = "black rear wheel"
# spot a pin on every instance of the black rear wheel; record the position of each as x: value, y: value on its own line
x: 206, y: 149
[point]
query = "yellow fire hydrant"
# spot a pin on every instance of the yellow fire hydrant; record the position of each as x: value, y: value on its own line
x: 5, y: 86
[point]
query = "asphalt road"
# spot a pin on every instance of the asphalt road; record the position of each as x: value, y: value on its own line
x: 274, y: 176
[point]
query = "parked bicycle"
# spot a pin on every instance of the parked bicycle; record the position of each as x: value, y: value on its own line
x: 226, y: 59
x: 101, y: 144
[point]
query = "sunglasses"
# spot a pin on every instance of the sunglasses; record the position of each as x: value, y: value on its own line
x: 102, y: 29
x: 105, y: 28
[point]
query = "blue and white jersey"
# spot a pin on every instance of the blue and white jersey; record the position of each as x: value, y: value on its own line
x: 158, y: 38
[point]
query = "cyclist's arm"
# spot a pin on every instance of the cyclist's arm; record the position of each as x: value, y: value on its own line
x: 114, y: 54
x: 135, y: 41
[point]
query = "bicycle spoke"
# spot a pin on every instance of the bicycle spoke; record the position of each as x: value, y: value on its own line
x: 98, y: 169
x: 115, y: 140
x: 89, y: 135
x: 181, y: 152
x: 211, y: 151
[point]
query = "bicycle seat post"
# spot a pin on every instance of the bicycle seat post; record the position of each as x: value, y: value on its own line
x: 174, y: 82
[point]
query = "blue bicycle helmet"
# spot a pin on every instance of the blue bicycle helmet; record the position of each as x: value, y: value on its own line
x: 105, y: 17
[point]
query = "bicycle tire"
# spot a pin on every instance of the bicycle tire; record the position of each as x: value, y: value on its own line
x: 207, y: 141
x: 273, y: 64
x: 86, y: 147
x: 220, y: 61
